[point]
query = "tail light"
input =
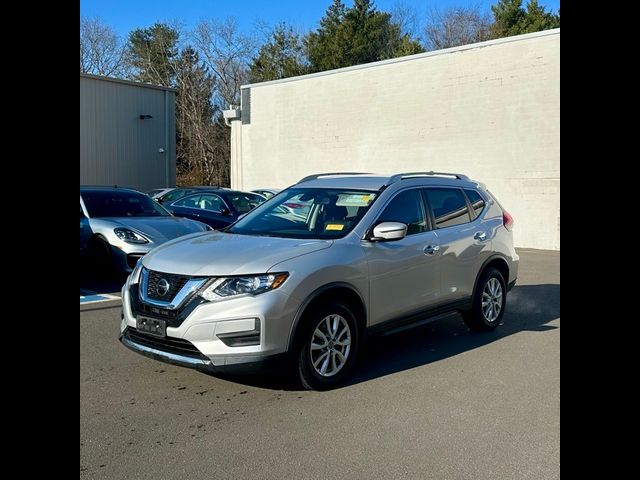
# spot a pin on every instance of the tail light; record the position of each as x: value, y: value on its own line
x: 507, y: 220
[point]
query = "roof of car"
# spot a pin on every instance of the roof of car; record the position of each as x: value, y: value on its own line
x: 202, y: 187
x: 97, y: 188
x: 219, y: 190
x: 376, y: 182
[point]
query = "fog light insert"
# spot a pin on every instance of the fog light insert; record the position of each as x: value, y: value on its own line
x: 242, y: 339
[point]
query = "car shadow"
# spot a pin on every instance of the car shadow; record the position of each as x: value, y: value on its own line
x: 100, y: 282
x: 529, y: 308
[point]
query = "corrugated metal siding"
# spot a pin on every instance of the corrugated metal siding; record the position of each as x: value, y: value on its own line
x: 116, y: 146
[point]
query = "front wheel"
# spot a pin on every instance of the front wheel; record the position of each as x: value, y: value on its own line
x: 328, y: 348
x: 488, y: 302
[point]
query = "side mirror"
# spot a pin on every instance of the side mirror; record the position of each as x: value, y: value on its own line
x: 225, y: 211
x: 388, y: 231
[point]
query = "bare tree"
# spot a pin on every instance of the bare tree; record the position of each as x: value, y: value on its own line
x: 456, y: 26
x: 406, y: 17
x: 101, y: 50
x: 227, y: 53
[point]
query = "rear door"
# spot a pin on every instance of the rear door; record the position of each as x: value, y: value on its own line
x: 404, y: 275
x: 463, y: 243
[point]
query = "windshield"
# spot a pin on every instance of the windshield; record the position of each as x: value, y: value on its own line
x: 244, y: 202
x: 121, y: 203
x: 307, y: 213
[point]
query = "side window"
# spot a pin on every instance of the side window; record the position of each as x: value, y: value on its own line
x: 406, y: 207
x: 449, y: 206
x: 212, y: 203
x: 174, y: 195
x: 189, y: 202
x: 476, y: 201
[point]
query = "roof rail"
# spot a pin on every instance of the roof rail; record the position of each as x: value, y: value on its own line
x: 318, y: 175
x: 402, y: 176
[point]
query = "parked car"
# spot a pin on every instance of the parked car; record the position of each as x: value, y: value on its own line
x: 179, y: 192
x: 266, y: 192
x: 375, y: 254
x: 120, y: 225
x: 217, y: 208
x: 159, y: 192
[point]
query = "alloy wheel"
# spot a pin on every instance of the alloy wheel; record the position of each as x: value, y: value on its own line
x: 330, y: 345
x: 492, y: 300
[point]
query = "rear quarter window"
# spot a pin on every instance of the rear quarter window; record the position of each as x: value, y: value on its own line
x: 476, y: 201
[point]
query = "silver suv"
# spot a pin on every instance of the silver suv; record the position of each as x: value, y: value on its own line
x: 306, y: 275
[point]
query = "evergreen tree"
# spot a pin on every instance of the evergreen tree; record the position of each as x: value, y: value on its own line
x: 152, y: 52
x: 356, y: 35
x: 281, y: 56
x: 324, y: 47
x: 512, y: 19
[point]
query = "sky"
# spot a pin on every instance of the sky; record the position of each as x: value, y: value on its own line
x: 125, y: 15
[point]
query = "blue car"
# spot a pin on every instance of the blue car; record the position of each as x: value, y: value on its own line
x: 217, y: 208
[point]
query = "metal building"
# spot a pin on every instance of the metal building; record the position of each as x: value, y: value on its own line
x: 127, y: 133
x: 490, y: 110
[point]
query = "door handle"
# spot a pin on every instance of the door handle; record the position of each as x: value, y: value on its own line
x: 480, y: 236
x: 431, y: 249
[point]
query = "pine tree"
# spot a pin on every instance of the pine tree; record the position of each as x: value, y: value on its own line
x: 151, y: 52
x: 356, y: 35
x: 281, y: 56
x: 512, y: 19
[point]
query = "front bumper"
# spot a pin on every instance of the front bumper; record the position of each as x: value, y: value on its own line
x: 206, y: 334
x: 238, y: 364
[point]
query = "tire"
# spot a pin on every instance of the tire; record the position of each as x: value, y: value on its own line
x: 483, y: 318
x: 343, y: 344
x: 99, y: 255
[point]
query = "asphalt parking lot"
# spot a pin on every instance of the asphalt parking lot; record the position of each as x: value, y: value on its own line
x: 434, y: 402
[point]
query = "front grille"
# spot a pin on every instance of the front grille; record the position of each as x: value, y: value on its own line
x: 176, y: 282
x: 173, y: 345
x: 157, y: 311
x: 174, y: 318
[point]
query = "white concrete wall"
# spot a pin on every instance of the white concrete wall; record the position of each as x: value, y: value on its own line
x: 489, y: 110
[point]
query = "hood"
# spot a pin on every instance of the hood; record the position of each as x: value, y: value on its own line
x: 222, y: 254
x: 157, y: 229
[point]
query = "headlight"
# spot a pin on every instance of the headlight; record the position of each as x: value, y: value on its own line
x: 252, y: 285
x: 129, y: 236
x: 134, y: 278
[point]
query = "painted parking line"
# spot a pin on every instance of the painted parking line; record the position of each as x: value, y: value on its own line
x: 92, y: 297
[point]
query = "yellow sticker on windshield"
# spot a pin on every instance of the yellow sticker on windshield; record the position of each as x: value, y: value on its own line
x: 334, y: 226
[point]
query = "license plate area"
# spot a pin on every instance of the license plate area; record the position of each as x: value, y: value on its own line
x: 152, y: 326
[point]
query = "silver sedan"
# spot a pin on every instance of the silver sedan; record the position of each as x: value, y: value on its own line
x: 120, y: 225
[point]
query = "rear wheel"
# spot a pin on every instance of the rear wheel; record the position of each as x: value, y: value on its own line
x: 488, y: 302
x: 328, y: 346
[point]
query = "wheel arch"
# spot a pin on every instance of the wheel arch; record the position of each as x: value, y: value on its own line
x: 496, y: 261
x: 335, y: 290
